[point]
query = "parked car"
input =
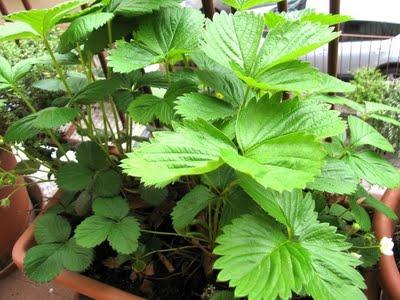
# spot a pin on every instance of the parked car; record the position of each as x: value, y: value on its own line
x: 371, y: 39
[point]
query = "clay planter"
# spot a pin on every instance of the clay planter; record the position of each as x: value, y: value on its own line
x: 77, y: 282
x: 15, y: 218
x: 389, y: 273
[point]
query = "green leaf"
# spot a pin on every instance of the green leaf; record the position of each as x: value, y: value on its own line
x: 51, y: 228
x: 193, y: 149
x: 73, y: 177
x: 93, y: 231
x: 247, y: 4
x: 107, y: 183
x: 222, y: 295
x: 133, y: 8
x: 95, y: 91
x: 123, y: 236
x: 165, y: 35
x: 43, y: 263
x: 42, y: 21
x: 296, y: 76
x: 271, y: 119
x: 219, y: 178
x: 115, y: 208
x: 360, y: 214
x: 336, y: 177
x: 81, y: 28
x: 153, y: 196
x: 76, y: 258
x: 372, y: 107
x: 21, y: 130
x: 17, y: 30
x: 235, y: 41
x: 385, y: 119
x: 51, y: 85
x: 26, y: 167
x: 195, y: 105
x: 83, y: 203
x: 364, y: 134
x: 53, y: 117
x: 274, y: 265
x: 282, y: 260
x: 378, y: 205
x: 374, y: 169
x: 187, y: 208
x: 90, y: 155
x: 147, y: 108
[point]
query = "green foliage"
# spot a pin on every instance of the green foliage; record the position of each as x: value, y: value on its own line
x: 152, y: 195
x: 370, y: 86
x: 55, y: 250
x: 246, y: 4
x: 110, y: 221
x: 132, y: 8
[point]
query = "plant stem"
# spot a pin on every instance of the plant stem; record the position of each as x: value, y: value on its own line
x: 57, y: 66
x: 169, y: 250
x: 171, y: 234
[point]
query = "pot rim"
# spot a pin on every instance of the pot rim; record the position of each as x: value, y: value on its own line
x: 384, y: 227
x: 75, y: 281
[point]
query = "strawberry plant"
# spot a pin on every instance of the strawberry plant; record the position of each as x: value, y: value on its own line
x: 247, y: 163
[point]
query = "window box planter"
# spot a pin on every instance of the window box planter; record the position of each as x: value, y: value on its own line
x: 389, y: 273
x: 75, y: 281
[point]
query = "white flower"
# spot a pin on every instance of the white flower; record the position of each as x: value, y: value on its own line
x: 356, y: 255
x: 386, y: 246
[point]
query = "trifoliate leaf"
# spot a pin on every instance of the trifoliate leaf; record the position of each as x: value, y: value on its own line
x: 132, y: 8
x: 51, y: 228
x: 190, y: 205
x: 247, y: 4
x: 115, y: 208
x: 124, y: 235
x: 95, y: 91
x: 336, y: 177
x: 147, y: 108
x: 93, y: 231
x: 42, y: 21
x: 271, y: 119
x: 107, y: 183
x: 364, y: 134
x: 53, y: 117
x: 91, y: 155
x: 192, y: 149
x: 195, y: 105
x: 374, y: 169
x: 73, y: 177
x: 80, y: 29
x: 165, y: 35
x: 21, y: 130
x: 152, y: 195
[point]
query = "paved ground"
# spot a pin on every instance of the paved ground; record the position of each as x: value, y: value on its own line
x: 17, y: 287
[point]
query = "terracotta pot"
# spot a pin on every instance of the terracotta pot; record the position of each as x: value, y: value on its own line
x: 389, y: 273
x: 15, y: 218
x: 75, y: 281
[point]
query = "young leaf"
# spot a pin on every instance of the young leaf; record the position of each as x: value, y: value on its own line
x: 112, y: 223
x: 195, y: 105
x: 91, y: 155
x: 80, y: 29
x: 190, y: 205
x: 133, y: 8
x: 165, y: 35
x: 247, y: 4
x: 364, y: 134
x: 74, y: 177
x: 53, y: 117
x: 336, y: 177
x: 189, y: 150
x: 51, y: 229
x: 374, y: 169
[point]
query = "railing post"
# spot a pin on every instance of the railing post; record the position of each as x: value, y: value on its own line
x: 208, y: 8
x: 282, y: 6
x: 333, y: 47
x: 27, y: 4
x: 3, y: 8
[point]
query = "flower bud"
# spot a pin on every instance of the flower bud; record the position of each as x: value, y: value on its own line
x: 5, y: 202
